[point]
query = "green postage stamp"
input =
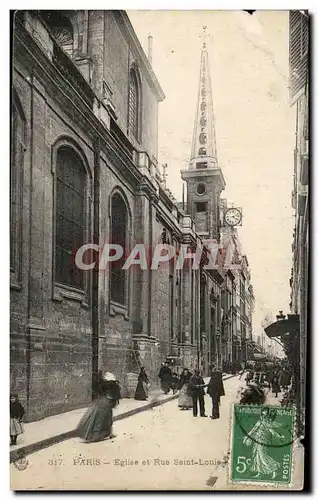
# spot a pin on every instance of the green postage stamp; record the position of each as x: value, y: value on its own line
x: 262, y: 444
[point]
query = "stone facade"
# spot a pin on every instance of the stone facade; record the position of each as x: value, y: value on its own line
x: 85, y: 105
x: 72, y: 92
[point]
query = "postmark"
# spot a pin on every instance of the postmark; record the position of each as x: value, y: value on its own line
x: 21, y: 463
x: 262, y: 444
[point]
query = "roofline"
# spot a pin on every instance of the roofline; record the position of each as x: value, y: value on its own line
x: 123, y: 16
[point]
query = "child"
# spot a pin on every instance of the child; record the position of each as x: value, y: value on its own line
x: 16, y: 414
x: 174, y: 382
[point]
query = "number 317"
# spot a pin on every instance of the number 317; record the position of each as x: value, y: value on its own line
x: 241, y: 464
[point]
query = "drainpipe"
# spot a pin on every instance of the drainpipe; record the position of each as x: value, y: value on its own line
x: 28, y: 332
x: 150, y: 213
x: 95, y: 276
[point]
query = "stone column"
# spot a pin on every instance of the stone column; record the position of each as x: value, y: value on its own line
x: 186, y: 314
x: 141, y: 276
x: 96, y: 28
x: 39, y: 260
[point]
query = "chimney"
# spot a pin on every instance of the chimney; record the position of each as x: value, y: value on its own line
x: 150, y: 48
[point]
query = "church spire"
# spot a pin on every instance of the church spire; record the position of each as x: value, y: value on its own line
x: 204, y: 144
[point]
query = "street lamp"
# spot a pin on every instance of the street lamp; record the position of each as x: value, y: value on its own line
x: 280, y: 316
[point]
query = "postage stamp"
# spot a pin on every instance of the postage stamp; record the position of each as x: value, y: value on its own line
x: 262, y: 444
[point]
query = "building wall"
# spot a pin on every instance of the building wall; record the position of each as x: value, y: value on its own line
x: 299, y: 93
x: 119, y: 56
x: 58, y: 331
x: 160, y: 298
x: 51, y: 333
x: 59, y: 338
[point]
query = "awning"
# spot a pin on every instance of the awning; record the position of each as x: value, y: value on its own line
x: 282, y: 326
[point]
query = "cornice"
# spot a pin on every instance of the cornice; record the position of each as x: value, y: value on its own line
x: 206, y: 172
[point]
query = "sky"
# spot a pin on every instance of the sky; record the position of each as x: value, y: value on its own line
x: 255, y: 126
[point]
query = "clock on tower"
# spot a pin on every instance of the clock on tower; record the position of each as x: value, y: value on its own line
x: 233, y: 217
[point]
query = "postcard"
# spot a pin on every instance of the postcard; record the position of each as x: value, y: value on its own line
x: 158, y: 250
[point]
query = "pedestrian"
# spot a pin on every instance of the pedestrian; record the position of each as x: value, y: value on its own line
x: 165, y: 376
x: 249, y: 376
x: 275, y: 384
x: 97, y: 422
x: 185, y: 398
x: 174, y: 382
x: 241, y: 369
x: 215, y: 390
x: 16, y: 415
x: 285, y: 377
x: 196, y: 387
x: 141, y: 393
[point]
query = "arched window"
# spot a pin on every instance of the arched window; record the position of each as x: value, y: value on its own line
x: 62, y: 30
x: 119, y: 234
x: 70, y: 216
x: 133, y: 105
x: 16, y: 184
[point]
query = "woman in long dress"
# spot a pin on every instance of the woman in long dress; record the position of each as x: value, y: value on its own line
x: 165, y: 376
x: 185, y: 400
x: 260, y: 436
x: 141, y: 393
x: 97, y: 423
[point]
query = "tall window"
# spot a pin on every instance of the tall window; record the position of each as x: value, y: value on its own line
x: 133, y: 105
x: 119, y: 233
x: 16, y: 178
x: 70, y: 216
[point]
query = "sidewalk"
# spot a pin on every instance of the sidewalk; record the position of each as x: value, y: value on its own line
x: 51, y: 430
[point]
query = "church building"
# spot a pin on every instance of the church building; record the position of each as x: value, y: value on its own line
x: 84, y: 170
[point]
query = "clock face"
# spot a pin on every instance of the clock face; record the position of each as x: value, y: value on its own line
x: 233, y: 217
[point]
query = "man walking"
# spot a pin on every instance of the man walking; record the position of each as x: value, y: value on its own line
x: 196, y: 386
x: 215, y: 390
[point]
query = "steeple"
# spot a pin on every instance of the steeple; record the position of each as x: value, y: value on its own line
x: 203, y: 142
x: 204, y: 177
